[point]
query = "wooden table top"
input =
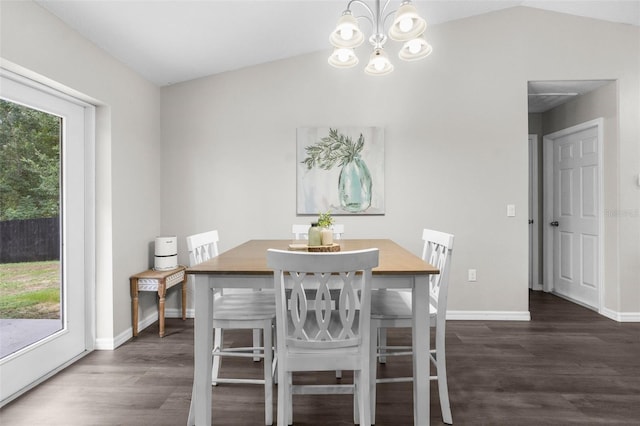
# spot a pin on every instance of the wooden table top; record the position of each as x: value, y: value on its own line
x: 250, y: 258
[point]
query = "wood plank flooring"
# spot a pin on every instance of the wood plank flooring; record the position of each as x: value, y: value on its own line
x: 567, y: 366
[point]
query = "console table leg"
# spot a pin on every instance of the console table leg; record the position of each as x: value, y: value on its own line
x: 134, y: 296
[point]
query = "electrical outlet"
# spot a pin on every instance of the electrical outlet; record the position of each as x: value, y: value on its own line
x: 472, y: 275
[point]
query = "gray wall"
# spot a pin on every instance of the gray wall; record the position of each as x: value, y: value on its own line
x: 38, y: 45
x: 455, y: 125
x: 219, y: 152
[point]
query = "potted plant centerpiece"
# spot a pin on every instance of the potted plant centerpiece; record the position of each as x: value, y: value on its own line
x: 325, y: 222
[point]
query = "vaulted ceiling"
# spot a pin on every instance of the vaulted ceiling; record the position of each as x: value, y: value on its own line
x: 170, y: 41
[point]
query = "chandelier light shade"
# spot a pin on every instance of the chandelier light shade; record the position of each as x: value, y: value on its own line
x: 347, y: 33
x: 343, y: 58
x: 407, y: 27
x: 379, y: 63
x: 407, y: 24
x: 415, y: 49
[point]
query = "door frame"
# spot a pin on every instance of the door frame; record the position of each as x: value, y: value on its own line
x: 534, y: 203
x: 548, y: 189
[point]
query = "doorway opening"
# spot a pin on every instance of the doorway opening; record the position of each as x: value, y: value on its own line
x: 555, y: 106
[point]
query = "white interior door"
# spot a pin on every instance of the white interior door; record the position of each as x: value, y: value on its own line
x: 574, y: 220
x: 22, y: 369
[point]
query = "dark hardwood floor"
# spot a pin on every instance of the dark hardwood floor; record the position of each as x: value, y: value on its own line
x: 567, y: 366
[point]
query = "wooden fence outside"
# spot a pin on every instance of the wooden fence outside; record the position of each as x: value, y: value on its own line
x: 29, y: 240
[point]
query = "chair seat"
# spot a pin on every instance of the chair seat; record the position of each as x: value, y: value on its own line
x: 392, y: 304
x: 312, y: 329
x: 254, y: 305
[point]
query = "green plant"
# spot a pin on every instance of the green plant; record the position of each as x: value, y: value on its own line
x: 325, y: 220
x: 331, y: 150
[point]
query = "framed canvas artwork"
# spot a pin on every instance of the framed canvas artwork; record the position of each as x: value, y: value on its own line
x: 340, y: 170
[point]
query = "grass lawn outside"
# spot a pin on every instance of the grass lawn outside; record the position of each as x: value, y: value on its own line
x: 30, y: 290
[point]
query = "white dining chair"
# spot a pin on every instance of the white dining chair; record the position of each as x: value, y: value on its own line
x: 392, y: 309
x: 252, y: 310
x: 328, y: 337
x: 301, y: 232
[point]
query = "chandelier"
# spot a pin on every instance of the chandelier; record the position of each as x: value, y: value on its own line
x: 407, y: 27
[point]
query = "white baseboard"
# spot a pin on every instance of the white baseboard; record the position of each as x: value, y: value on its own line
x: 489, y: 315
x: 111, y: 344
x: 620, y: 316
x: 177, y: 313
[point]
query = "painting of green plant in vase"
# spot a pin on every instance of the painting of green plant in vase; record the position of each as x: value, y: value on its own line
x: 340, y: 170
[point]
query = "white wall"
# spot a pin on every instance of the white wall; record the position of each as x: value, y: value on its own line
x: 34, y: 42
x: 455, y: 134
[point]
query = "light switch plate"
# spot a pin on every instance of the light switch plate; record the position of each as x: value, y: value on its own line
x: 511, y: 210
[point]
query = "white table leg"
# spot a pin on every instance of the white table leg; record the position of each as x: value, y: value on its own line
x: 421, y: 343
x: 202, y: 347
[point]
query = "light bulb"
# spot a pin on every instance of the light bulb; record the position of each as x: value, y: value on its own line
x: 346, y: 33
x: 343, y: 55
x: 414, y: 46
x: 378, y: 64
x: 406, y: 24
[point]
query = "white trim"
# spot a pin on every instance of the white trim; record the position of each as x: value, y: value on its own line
x: 177, y: 313
x: 534, y: 243
x: 489, y: 315
x: 111, y: 344
x: 621, y: 316
x: 548, y: 205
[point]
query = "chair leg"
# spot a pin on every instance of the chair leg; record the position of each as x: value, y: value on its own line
x: 257, y: 343
x: 217, y: 345
x: 441, y: 371
x: 373, y: 366
x: 362, y: 399
x: 191, y: 421
x: 443, y: 388
x: 268, y: 377
x: 274, y: 364
x: 356, y: 398
x: 382, y: 343
x: 289, y: 382
x: 282, y: 398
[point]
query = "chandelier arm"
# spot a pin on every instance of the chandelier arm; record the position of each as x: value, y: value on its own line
x: 373, y: 25
x: 363, y: 4
x: 384, y: 20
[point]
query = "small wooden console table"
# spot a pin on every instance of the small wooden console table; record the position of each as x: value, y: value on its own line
x: 159, y: 281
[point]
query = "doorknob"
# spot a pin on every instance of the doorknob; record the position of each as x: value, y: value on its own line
x: 554, y: 223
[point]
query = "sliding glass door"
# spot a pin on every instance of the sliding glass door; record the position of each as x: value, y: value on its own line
x: 44, y: 273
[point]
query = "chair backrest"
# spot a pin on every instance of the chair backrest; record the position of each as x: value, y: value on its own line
x: 338, y: 230
x: 301, y: 232
x: 202, y: 247
x: 437, y: 250
x: 327, y: 325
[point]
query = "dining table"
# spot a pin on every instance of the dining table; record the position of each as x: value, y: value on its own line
x: 245, y: 266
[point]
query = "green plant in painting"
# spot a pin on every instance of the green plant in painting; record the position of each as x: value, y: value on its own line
x: 333, y: 149
x: 354, y: 182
